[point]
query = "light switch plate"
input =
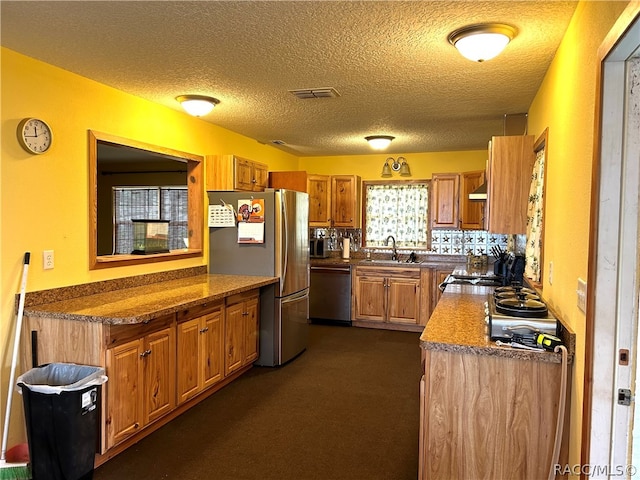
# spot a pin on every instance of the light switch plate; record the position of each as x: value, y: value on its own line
x: 582, y: 295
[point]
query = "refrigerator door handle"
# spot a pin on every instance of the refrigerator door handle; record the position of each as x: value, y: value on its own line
x: 285, y: 258
x: 296, y: 296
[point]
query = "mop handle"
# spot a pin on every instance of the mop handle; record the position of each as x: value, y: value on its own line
x: 14, y: 358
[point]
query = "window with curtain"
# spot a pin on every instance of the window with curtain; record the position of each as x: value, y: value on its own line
x: 535, y: 216
x: 399, y: 209
x: 149, y: 203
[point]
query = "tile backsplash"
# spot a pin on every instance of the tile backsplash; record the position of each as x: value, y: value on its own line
x: 443, y: 242
x: 466, y: 242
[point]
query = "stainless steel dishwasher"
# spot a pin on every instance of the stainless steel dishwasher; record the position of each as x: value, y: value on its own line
x: 330, y: 294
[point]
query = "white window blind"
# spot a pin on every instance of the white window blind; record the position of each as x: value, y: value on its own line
x: 149, y: 203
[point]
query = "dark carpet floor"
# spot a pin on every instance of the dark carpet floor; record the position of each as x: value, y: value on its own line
x: 347, y: 408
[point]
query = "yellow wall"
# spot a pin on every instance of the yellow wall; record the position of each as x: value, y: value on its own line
x: 422, y: 165
x: 45, y: 197
x: 565, y: 104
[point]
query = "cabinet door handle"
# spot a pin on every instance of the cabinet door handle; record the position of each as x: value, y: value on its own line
x: 204, y: 330
x: 145, y: 353
x: 244, y: 314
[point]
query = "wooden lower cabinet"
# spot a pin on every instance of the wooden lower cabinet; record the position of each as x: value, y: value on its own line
x: 387, y: 295
x: 200, y: 352
x: 489, y: 417
x: 156, y: 370
x: 440, y: 275
x: 141, y: 385
x: 241, y: 331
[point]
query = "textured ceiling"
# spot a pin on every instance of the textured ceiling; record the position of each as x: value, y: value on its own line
x: 390, y: 62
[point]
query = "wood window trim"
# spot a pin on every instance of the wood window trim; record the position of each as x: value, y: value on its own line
x: 195, y: 200
x: 366, y: 183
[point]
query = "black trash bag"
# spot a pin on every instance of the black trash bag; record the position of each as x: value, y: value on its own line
x: 62, y: 412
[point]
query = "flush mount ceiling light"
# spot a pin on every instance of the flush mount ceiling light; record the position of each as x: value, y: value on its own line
x: 482, y: 41
x: 197, y: 105
x: 379, y: 142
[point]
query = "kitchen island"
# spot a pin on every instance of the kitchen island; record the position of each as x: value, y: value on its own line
x: 486, y: 411
x: 166, y: 342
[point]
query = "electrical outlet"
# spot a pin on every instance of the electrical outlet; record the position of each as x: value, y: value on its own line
x: 582, y: 295
x: 47, y: 259
x: 550, y: 273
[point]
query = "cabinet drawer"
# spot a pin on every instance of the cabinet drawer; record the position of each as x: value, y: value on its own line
x: 199, y: 310
x: 118, y: 334
x: 241, y: 297
x: 404, y: 272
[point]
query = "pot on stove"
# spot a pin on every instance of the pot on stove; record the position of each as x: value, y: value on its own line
x: 521, y: 306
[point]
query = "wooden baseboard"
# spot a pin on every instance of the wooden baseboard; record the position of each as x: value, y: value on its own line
x: 387, y: 326
x: 180, y: 409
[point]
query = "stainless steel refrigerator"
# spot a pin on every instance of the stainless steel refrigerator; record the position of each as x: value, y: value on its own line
x: 284, y: 312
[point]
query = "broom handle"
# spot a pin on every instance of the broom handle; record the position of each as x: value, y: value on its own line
x: 14, y: 358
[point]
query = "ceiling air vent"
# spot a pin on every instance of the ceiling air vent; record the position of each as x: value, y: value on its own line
x: 304, y: 93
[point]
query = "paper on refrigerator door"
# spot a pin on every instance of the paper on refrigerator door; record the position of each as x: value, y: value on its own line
x: 221, y: 216
x: 250, y: 232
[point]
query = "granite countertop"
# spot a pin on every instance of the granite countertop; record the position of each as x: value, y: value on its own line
x: 141, y: 304
x: 429, y: 260
x: 457, y: 325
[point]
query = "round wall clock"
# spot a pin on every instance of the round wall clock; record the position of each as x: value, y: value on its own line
x: 34, y: 135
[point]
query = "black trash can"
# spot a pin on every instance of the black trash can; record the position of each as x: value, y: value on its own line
x: 62, y: 412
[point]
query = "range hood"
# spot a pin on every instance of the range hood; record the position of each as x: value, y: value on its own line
x: 479, y: 194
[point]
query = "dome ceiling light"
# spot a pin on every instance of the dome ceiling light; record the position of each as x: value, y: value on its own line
x: 379, y: 142
x: 482, y: 41
x: 197, y: 105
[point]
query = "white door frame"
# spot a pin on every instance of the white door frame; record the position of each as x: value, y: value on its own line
x: 613, y: 261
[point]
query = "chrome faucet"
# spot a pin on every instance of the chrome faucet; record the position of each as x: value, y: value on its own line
x: 394, y: 255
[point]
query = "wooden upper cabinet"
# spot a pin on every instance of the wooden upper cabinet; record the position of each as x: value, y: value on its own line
x: 445, y: 192
x: 229, y: 172
x: 317, y: 186
x: 260, y: 176
x: 510, y: 165
x: 450, y: 204
x: 289, y: 180
x: 471, y: 212
x: 345, y: 201
x: 334, y: 200
x: 319, y: 189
